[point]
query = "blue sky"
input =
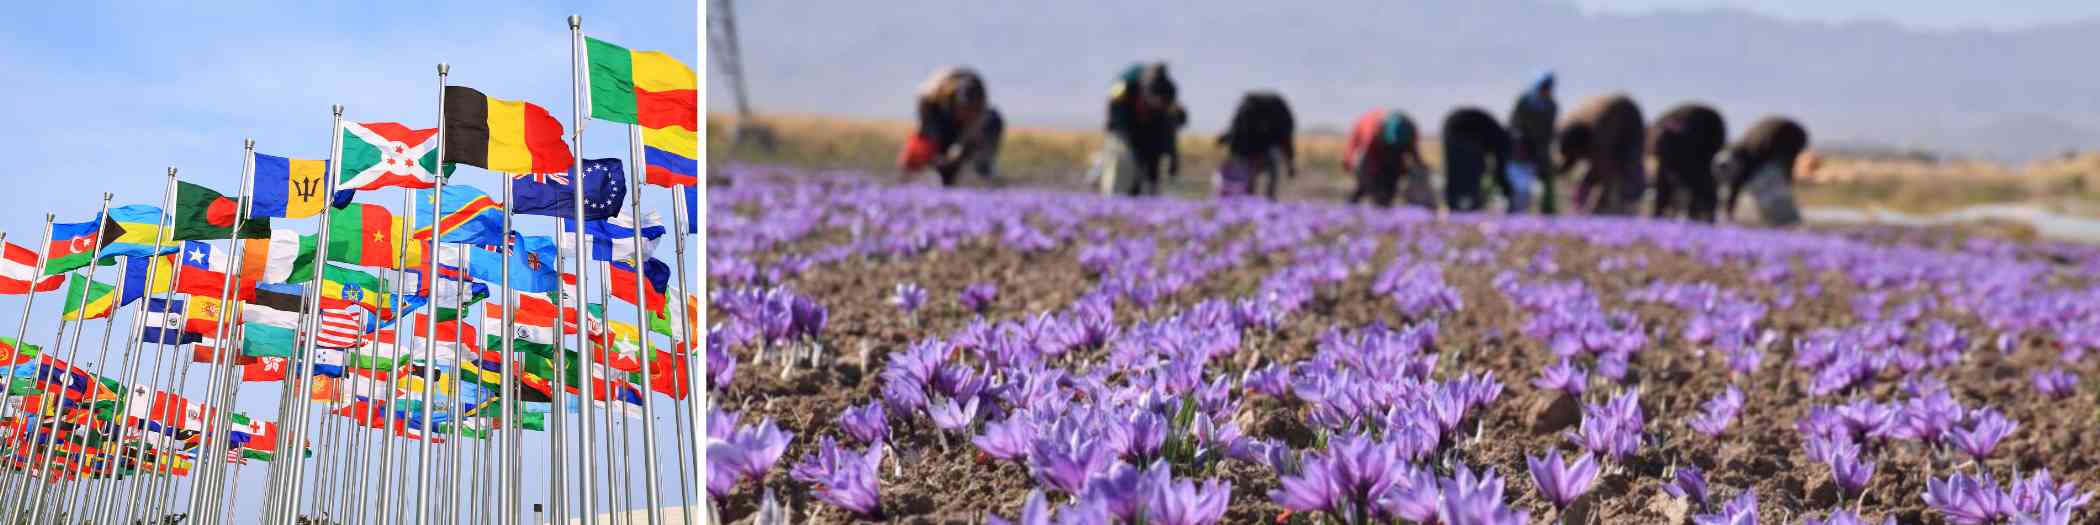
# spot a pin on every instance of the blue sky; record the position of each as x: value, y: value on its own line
x: 1930, y: 14
x: 105, y: 96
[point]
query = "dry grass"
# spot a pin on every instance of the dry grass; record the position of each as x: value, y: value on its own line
x: 1059, y: 157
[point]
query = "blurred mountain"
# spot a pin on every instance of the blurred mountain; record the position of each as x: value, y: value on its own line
x: 2007, y: 95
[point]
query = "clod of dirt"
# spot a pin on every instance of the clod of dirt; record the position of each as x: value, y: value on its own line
x: 1548, y: 416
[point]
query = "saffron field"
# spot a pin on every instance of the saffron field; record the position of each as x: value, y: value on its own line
x: 909, y: 354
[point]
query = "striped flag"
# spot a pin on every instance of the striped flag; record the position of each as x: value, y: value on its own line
x: 165, y: 322
x: 341, y: 328
x: 18, y: 270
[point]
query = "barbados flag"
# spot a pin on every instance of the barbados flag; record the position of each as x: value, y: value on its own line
x: 285, y: 187
x: 469, y: 216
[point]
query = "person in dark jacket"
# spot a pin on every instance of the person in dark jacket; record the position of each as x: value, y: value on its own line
x: 1684, y: 141
x: 1258, y: 142
x: 957, y: 129
x: 1763, y: 162
x: 1144, y: 116
x: 1531, y: 129
x: 1471, y: 136
x: 1381, y: 152
x: 1608, y: 134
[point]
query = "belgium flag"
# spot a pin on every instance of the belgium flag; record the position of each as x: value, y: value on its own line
x: 508, y: 136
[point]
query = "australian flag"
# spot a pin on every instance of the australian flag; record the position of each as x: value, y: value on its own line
x: 604, y: 187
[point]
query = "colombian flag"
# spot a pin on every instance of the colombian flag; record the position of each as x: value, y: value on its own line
x: 645, y: 88
x: 671, y: 155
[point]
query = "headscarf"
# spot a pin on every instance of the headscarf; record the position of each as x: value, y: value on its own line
x: 1535, y: 96
x: 1397, y: 128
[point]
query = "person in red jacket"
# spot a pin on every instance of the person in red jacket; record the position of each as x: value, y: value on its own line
x: 1381, y: 152
x: 958, y: 128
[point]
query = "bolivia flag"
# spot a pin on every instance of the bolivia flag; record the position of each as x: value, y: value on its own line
x: 203, y: 214
x: 506, y: 136
x: 671, y: 154
x: 647, y: 88
x: 86, y: 299
x: 18, y: 272
x: 72, y: 245
x: 386, y: 155
x: 291, y: 188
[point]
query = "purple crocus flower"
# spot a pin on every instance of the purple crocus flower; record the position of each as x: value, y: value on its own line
x: 1063, y: 458
x: 1739, y: 511
x: 1718, y: 413
x: 1123, y: 491
x: 908, y: 297
x: 1008, y: 439
x: 1468, y: 500
x: 1564, y: 376
x: 1849, y: 470
x: 1844, y: 517
x: 1982, y: 437
x: 978, y: 297
x: 756, y: 448
x: 1562, y: 482
x: 947, y: 415
x: 1689, y: 483
x: 851, y: 484
x: 866, y: 423
x: 1928, y: 418
x: 1183, y: 502
x: 2055, y: 383
x: 1271, y: 380
x: 1968, y: 501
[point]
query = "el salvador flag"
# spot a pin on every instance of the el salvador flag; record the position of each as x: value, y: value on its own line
x: 163, y: 323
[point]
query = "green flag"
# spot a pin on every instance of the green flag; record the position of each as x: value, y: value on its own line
x: 203, y: 214
x: 86, y: 299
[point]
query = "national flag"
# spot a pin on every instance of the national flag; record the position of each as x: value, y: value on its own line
x: 671, y: 157
x: 88, y: 299
x: 18, y: 271
x: 656, y: 276
x: 447, y: 291
x: 530, y: 260
x: 613, y: 239
x: 167, y: 410
x: 73, y: 244
x: 13, y: 352
x: 646, y: 88
x: 386, y: 155
x: 676, y: 302
x: 379, y: 352
x: 204, y: 214
x: 204, y: 273
x: 265, y: 369
x: 669, y: 375
x: 286, y: 187
x: 270, y: 322
x: 341, y: 328
x: 470, y: 216
x: 257, y: 439
x: 201, y: 315
x: 551, y: 195
x: 692, y: 209
x: 532, y: 328
x: 285, y: 257
x: 506, y: 136
x: 140, y: 232
x: 136, y: 273
x: 345, y: 285
x: 163, y: 322
x: 365, y: 234
x: 454, y: 338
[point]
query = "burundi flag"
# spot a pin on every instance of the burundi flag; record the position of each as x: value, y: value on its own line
x: 551, y: 195
x: 470, y: 216
x: 204, y: 214
x: 506, y: 136
x: 86, y: 299
x: 73, y: 244
x: 18, y: 272
x: 646, y: 88
x: 286, y: 187
x: 672, y: 156
x: 386, y: 155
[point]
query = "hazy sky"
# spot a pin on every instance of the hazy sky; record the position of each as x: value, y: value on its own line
x: 105, y: 95
x: 1934, y: 14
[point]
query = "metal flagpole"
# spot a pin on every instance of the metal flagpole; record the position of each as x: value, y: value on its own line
x: 387, y: 436
x: 177, y: 379
x: 513, y: 458
x: 212, y: 458
x: 21, y: 332
x: 131, y: 362
x: 459, y: 387
x: 641, y: 313
x: 237, y: 468
x: 682, y: 408
x: 72, y: 353
x: 600, y: 359
x: 558, y: 388
x: 287, y: 404
x: 161, y: 363
x: 590, y: 493
x: 429, y: 281
x: 287, y: 503
x: 79, y: 495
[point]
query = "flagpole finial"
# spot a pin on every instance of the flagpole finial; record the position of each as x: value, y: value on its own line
x: 248, y: 143
x: 106, y: 196
x: 575, y: 22
x: 444, y: 69
x: 171, y: 172
x: 338, y: 108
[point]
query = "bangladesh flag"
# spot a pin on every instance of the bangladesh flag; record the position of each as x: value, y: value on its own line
x: 386, y: 155
x: 202, y: 214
